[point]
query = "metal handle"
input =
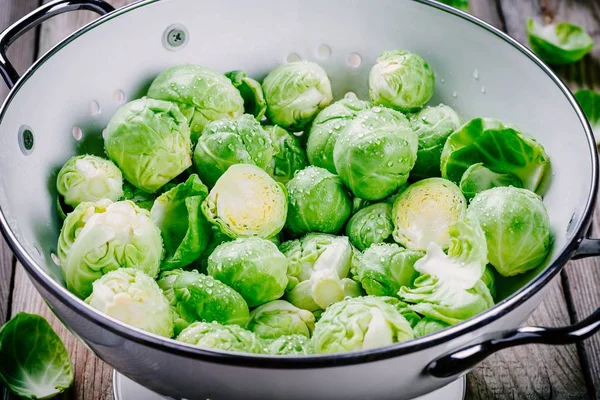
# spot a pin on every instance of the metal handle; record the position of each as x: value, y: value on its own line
x: 466, y: 358
x: 36, y: 17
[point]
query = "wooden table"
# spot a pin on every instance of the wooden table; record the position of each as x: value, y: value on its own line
x: 536, y: 372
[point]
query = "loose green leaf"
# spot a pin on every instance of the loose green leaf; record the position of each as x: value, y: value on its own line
x: 558, y: 44
x: 589, y: 101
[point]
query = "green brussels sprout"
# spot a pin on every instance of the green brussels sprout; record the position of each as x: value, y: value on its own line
x: 88, y: 179
x: 131, y: 296
x: 427, y: 326
x: 424, y: 212
x: 251, y: 91
x: 318, y: 263
x: 589, y: 101
x: 445, y: 301
x: 287, y: 345
x: 246, y: 202
x: 222, y: 337
x: 359, y: 324
x: 558, y: 44
x: 252, y: 266
x: 278, y: 318
x: 326, y: 128
x: 489, y: 278
x: 370, y: 225
x: 313, y: 193
x: 478, y: 178
x: 295, y: 93
x: 201, y: 94
x: 183, y: 227
x: 501, y: 148
x: 401, y: 80
x: 433, y: 125
x: 97, y: 238
x: 228, y: 142
x: 149, y: 140
x: 358, y: 204
x: 198, y: 297
x: 516, y: 226
x: 35, y: 362
x: 383, y: 268
x: 288, y: 154
x: 375, y: 153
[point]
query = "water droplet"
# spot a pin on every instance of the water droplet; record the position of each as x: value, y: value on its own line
x: 476, y: 74
x: 483, y: 89
x: 454, y: 94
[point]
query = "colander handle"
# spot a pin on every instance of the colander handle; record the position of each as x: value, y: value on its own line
x: 466, y: 358
x: 33, y: 19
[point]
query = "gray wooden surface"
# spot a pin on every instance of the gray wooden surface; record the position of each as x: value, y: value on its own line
x: 527, y: 372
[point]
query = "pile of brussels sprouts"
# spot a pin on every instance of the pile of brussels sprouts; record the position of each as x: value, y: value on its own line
x: 267, y: 218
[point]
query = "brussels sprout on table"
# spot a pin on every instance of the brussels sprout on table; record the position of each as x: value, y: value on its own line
x: 375, y: 153
x: 89, y: 178
x: 279, y: 318
x: 149, y: 140
x: 246, y: 202
x: 589, y: 101
x: 383, y: 268
x: 478, y: 178
x: 133, y: 297
x: 433, y: 125
x: 184, y: 229
x: 228, y: 142
x: 501, y: 148
x: 401, y: 80
x: 423, y: 213
x: 201, y: 94
x: 97, y: 238
x: 295, y: 93
x: 558, y: 44
x: 288, y: 154
x: 372, y: 224
x: 251, y: 91
x: 516, y: 226
x: 317, y: 202
x: 222, y: 337
x: 326, y: 128
x: 359, y: 324
x: 427, y: 326
x: 288, y: 345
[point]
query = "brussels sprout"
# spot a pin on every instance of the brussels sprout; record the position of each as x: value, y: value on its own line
x: 318, y: 263
x: 358, y: 204
x: 516, y: 226
x: 252, y: 266
x: 589, y: 101
x: 433, y: 125
x: 202, y: 95
x: 424, y: 212
x: 35, y: 363
x: 133, y: 297
x: 222, y: 337
x: 326, y: 128
x: 228, y: 142
x: 401, y: 80
x: 383, y: 268
x: 370, y: 225
x: 489, y: 278
x: 149, y: 141
x: 198, y: 297
x: 558, y: 44
x: 478, y: 178
x: 501, y: 148
x: 183, y: 227
x: 89, y: 178
x: 97, y: 238
x: 446, y: 301
x: 427, y: 326
x: 278, y: 318
x: 297, y: 345
x: 359, y: 324
x: 295, y: 93
x: 251, y: 91
x: 375, y: 152
x: 317, y: 202
x: 288, y: 154
x: 245, y: 202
